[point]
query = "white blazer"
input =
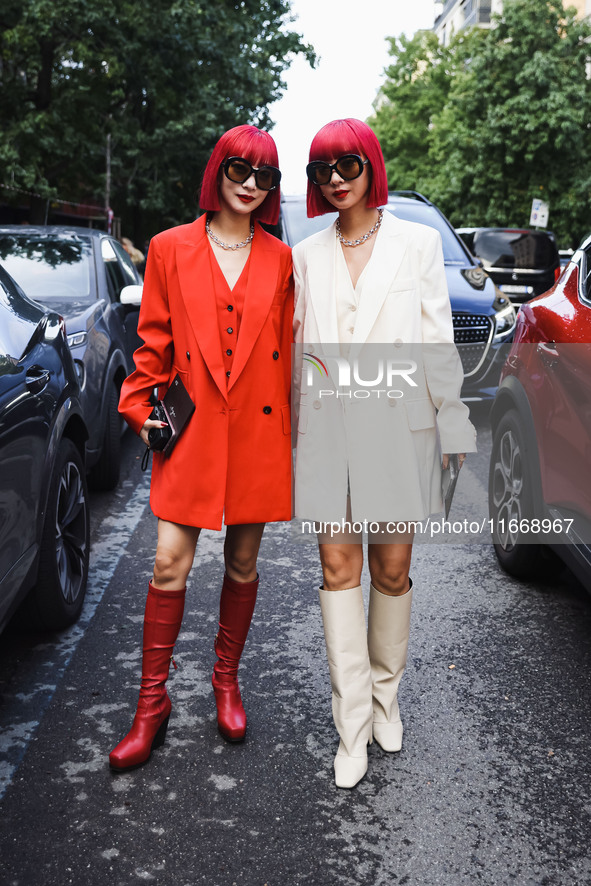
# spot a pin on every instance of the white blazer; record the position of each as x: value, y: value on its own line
x: 375, y: 435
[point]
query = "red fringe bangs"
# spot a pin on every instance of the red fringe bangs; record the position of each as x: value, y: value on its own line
x: 348, y: 136
x: 253, y: 145
x: 334, y: 140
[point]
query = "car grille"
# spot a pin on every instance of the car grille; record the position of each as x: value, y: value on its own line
x: 472, y: 335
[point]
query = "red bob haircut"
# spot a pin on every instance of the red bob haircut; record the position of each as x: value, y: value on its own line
x: 253, y: 145
x: 349, y: 136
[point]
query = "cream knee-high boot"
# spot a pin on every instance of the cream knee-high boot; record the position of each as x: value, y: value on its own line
x: 387, y: 640
x: 345, y: 634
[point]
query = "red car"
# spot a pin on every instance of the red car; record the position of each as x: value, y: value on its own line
x: 540, y: 468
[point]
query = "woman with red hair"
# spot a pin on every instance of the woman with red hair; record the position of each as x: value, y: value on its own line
x: 371, y: 303
x: 217, y: 309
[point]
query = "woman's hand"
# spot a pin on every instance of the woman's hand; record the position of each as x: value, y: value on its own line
x: 148, y: 425
x: 445, y: 459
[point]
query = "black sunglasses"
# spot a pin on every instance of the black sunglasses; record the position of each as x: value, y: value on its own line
x: 239, y: 170
x: 348, y: 167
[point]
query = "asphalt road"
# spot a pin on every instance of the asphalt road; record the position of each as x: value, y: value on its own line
x: 492, y: 785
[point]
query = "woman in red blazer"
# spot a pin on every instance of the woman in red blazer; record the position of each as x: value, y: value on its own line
x: 217, y: 309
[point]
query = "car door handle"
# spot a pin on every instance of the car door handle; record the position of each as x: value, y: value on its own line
x: 548, y: 353
x: 37, y: 379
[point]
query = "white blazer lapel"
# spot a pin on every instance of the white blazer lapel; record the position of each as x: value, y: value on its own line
x: 321, y: 281
x: 383, y: 266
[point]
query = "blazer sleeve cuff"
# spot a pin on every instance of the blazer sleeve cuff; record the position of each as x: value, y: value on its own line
x: 136, y: 416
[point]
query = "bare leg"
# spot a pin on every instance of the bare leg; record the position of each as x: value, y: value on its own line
x: 175, y: 553
x: 341, y: 557
x: 389, y: 565
x: 241, y: 550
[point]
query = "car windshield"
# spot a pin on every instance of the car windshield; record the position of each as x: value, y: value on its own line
x: 298, y: 226
x: 46, y: 266
x: 18, y: 320
x: 515, y: 249
x: 424, y: 214
x: 296, y: 223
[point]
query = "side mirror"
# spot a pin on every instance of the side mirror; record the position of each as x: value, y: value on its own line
x: 131, y: 295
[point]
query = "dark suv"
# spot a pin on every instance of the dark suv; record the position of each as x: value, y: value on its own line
x: 44, y: 538
x: 483, y: 318
x: 87, y: 277
x: 523, y: 263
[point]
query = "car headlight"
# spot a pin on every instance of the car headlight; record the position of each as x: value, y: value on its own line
x: 76, y: 339
x: 505, y: 316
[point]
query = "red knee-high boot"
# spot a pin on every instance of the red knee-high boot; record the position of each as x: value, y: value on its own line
x: 162, y: 623
x: 236, y: 607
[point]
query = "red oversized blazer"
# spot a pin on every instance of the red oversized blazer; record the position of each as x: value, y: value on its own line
x: 233, y: 459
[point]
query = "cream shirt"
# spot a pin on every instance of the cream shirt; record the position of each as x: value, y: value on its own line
x: 347, y: 298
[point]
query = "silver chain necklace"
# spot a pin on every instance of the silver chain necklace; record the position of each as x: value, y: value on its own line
x: 221, y: 243
x: 365, y: 237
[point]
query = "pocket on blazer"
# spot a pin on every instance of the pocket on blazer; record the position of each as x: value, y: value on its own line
x: 176, y: 369
x: 185, y: 378
x: 403, y: 285
x: 303, y: 418
x: 421, y: 414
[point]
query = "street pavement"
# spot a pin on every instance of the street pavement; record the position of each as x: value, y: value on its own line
x: 492, y: 785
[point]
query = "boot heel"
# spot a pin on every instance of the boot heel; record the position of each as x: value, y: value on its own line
x: 160, y: 736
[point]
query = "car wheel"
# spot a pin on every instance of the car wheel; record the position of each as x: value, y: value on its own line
x: 510, y: 502
x: 56, y: 600
x: 105, y: 473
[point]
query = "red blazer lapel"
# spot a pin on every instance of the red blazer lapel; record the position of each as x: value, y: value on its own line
x: 260, y: 291
x: 196, y: 282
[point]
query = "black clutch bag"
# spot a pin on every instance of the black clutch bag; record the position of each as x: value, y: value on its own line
x: 159, y: 437
x: 176, y: 408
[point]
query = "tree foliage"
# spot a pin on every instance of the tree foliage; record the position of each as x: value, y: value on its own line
x: 162, y: 78
x: 495, y: 119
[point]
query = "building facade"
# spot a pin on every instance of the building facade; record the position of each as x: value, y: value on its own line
x: 453, y: 15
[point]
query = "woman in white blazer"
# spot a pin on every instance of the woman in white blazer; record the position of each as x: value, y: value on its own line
x: 379, y: 381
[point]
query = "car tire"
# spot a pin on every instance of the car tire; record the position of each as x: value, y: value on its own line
x: 511, y: 502
x: 56, y: 600
x: 105, y: 473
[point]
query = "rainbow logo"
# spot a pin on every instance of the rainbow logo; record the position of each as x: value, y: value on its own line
x: 317, y: 364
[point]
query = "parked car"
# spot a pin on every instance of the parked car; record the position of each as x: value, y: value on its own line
x: 87, y: 277
x: 565, y: 256
x: 483, y: 318
x: 523, y: 263
x: 540, y: 468
x: 44, y: 540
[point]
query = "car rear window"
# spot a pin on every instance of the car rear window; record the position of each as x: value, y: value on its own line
x: 46, y: 266
x: 515, y: 249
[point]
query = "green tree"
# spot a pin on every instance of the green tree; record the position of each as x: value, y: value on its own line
x: 162, y: 78
x: 512, y: 122
x: 416, y: 88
